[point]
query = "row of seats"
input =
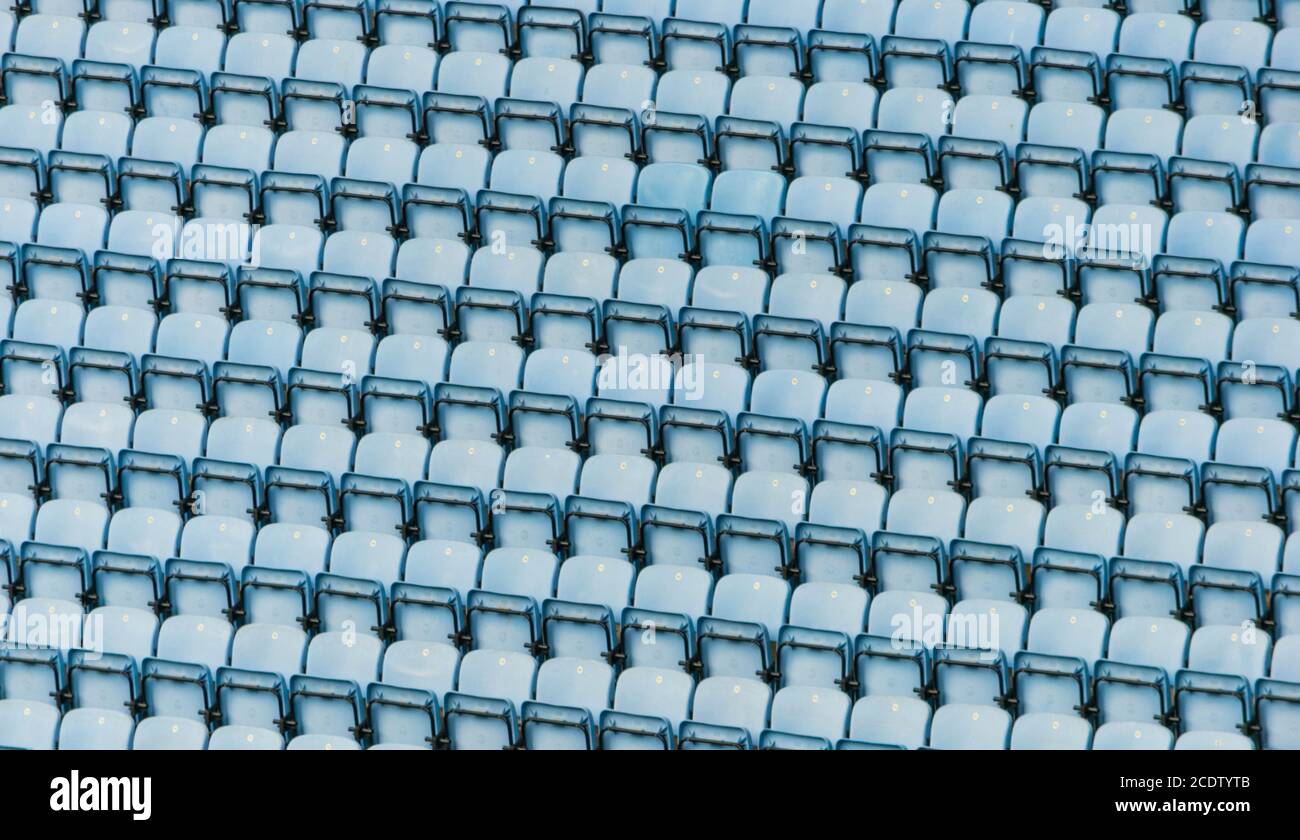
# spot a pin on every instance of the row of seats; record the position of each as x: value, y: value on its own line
x: 682, y: 122
x: 558, y: 310
x: 768, y: 42
x: 714, y: 414
x: 937, y: 438
x: 1083, y: 49
x: 894, y: 233
x: 323, y: 690
x: 1223, y: 587
x: 837, y: 127
x: 1162, y: 563
x: 829, y: 210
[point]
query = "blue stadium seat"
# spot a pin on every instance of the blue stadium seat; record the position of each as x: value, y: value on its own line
x: 958, y: 726
x: 169, y: 733
x: 96, y: 729
x: 1132, y: 736
x: 649, y: 707
x: 1045, y: 731
x: 885, y: 719
x: 728, y: 713
x: 570, y: 695
x: 1220, y: 657
x: 493, y: 685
